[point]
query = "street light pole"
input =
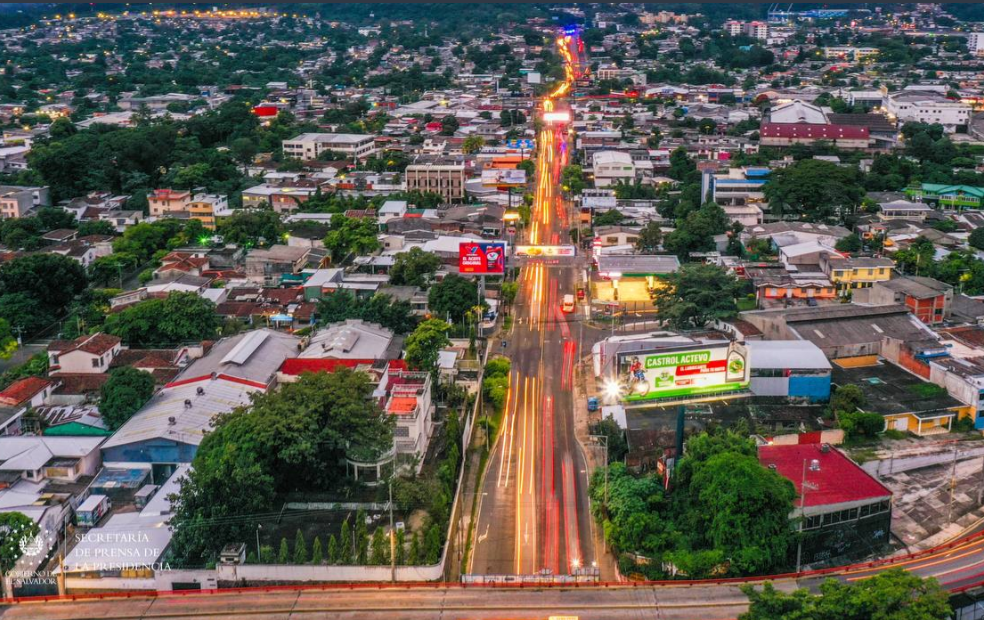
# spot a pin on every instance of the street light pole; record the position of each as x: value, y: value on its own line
x: 799, y: 543
x: 259, y: 526
x: 392, y: 533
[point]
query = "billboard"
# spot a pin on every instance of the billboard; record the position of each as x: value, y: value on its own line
x: 556, y: 117
x: 696, y: 370
x: 505, y: 176
x: 546, y: 250
x: 481, y: 257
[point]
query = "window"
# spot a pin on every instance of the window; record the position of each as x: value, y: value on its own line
x: 96, y: 363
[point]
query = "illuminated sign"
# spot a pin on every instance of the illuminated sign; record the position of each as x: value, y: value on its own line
x: 695, y: 371
x: 504, y: 176
x: 510, y: 216
x: 481, y: 258
x: 556, y: 117
x: 546, y: 250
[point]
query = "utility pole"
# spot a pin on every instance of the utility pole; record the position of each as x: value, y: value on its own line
x: 953, y: 484
x: 980, y: 487
x: 259, y: 526
x: 799, y: 543
x: 392, y: 532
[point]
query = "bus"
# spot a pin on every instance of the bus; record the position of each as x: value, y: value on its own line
x: 568, y: 305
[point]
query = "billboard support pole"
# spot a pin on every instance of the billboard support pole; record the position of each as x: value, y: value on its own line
x: 681, y: 416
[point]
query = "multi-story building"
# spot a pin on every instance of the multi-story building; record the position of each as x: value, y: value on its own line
x: 756, y: 30
x: 849, y: 273
x: 448, y: 180
x: 16, y: 200
x: 409, y: 402
x: 165, y: 202
x: 928, y: 107
x: 611, y: 167
x: 310, y: 145
x: 975, y: 43
x: 737, y: 186
x: 929, y: 300
x: 207, y: 208
x: 788, y: 134
x: 957, y: 197
x: 847, y: 52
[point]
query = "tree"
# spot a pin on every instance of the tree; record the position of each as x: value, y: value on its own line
x: 52, y: 218
x: 449, y: 125
x: 14, y: 528
x: 696, y: 231
x: 432, y: 545
x: 249, y: 226
x: 380, y: 548
x: 401, y: 549
x: 356, y: 235
x: 361, y: 539
x: 333, y: 553
x: 413, y: 556
x: 453, y: 297
x: 51, y: 280
x: 178, y: 318
x: 617, y: 445
x: 813, y: 188
x: 892, y: 594
x: 317, y: 553
x: 382, y: 309
x: 345, y: 545
x: 472, y: 144
x: 650, y: 238
x: 695, y: 295
x: 8, y: 344
x: 572, y: 178
x: 300, y: 548
x: 123, y: 394
x: 414, y: 268
x: 283, y: 556
x: 850, y: 243
x: 847, y: 398
x: 612, y: 217
x: 424, y: 344
x: 976, y: 239
x: 509, y: 291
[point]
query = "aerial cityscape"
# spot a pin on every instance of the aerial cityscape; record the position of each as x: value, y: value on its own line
x: 538, y: 311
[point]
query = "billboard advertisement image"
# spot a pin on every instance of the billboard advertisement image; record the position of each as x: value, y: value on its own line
x: 546, y: 250
x: 503, y: 176
x: 482, y: 258
x: 695, y: 371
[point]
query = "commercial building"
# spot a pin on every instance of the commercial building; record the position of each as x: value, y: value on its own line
x: 311, y: 145
x: 448, y: 180
x: 790, y: 369
x: 846, y: 512
x: 943, y: 196
x: 975, y: 43
x: 611, y: 167
x: 928, y: 107
x: 788, y: 134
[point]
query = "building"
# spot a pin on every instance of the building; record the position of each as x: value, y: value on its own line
x: 207, y: 208
x: 16, y: 201
x: 353, y: 339
x: 267, y: 266
x: 64, y: 459
x: 448, y: 180
x: 846, y: 512
x: 903, y: 210
x: 409, y: 402
x: 756, y: 30
x: 168, y: 202
x: 169, y: 428
x: 927, y: 107
x: 738, y: 186
x: 611, y: 167
x: 849, y: 52
x: 790, y: 369
x: 88, y: 354
x: 850, y: 273
x: 926, y: 298
x: 907, y: 403
x: 975, y: 43
x: 788, y: 134
x: 311, y: 145
x: 797, y: 112
x: 958, y: 197
x: 841, y: 330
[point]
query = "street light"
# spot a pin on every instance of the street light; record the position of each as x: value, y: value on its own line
x: 612, y: 389
x: 259, y: 526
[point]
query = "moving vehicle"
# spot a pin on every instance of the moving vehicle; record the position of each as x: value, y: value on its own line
x: 568, y: 305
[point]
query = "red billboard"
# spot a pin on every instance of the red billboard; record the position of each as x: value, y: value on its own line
x: 482, y: 258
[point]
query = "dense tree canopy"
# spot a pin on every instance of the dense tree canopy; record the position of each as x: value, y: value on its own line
x: 414, y: 267
x: 178, y: 318
x: 816, y: 189
x: 695, y: 295
x: 453, y: 297
x: 123, y: 394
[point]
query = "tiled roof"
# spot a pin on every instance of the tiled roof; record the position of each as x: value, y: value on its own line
x: 23, y: 390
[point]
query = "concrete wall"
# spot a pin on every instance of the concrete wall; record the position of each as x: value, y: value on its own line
x: 281, y: 573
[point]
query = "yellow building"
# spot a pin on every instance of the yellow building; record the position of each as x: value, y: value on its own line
x: 207, y: 208
x: 849, y: 273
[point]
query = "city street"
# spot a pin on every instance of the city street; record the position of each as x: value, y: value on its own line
x: 534, y: 514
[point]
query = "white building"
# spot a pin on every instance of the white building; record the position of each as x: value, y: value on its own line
x: 928, y: 107
x: 610, y: 167
x: 310, y: 145
x: 975, y: 43
x: 756, y: 30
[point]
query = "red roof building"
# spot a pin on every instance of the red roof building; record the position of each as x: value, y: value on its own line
x: 846, y: 512
x: 786, y: 134
x: 26, y: 391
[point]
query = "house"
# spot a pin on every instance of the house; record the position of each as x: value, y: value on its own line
x: 903, y: 210
x: 850, y: 273
x: 168, y: 202
x: 169, y: 428
x: 776, y: 284
x: 177, y: 263
x: 208, y: 208
x: 907, y: 403
x: 353, y: 339
x: 409, y: 401
x: 267, y: 266
x: 35, y: 459
x: 926, y: 298
x: 845, y: 511
x: 612, y: 167
x: 16, y: 201
x: 86, y: 354
x: 27, y: 392
x: 958, y: 197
